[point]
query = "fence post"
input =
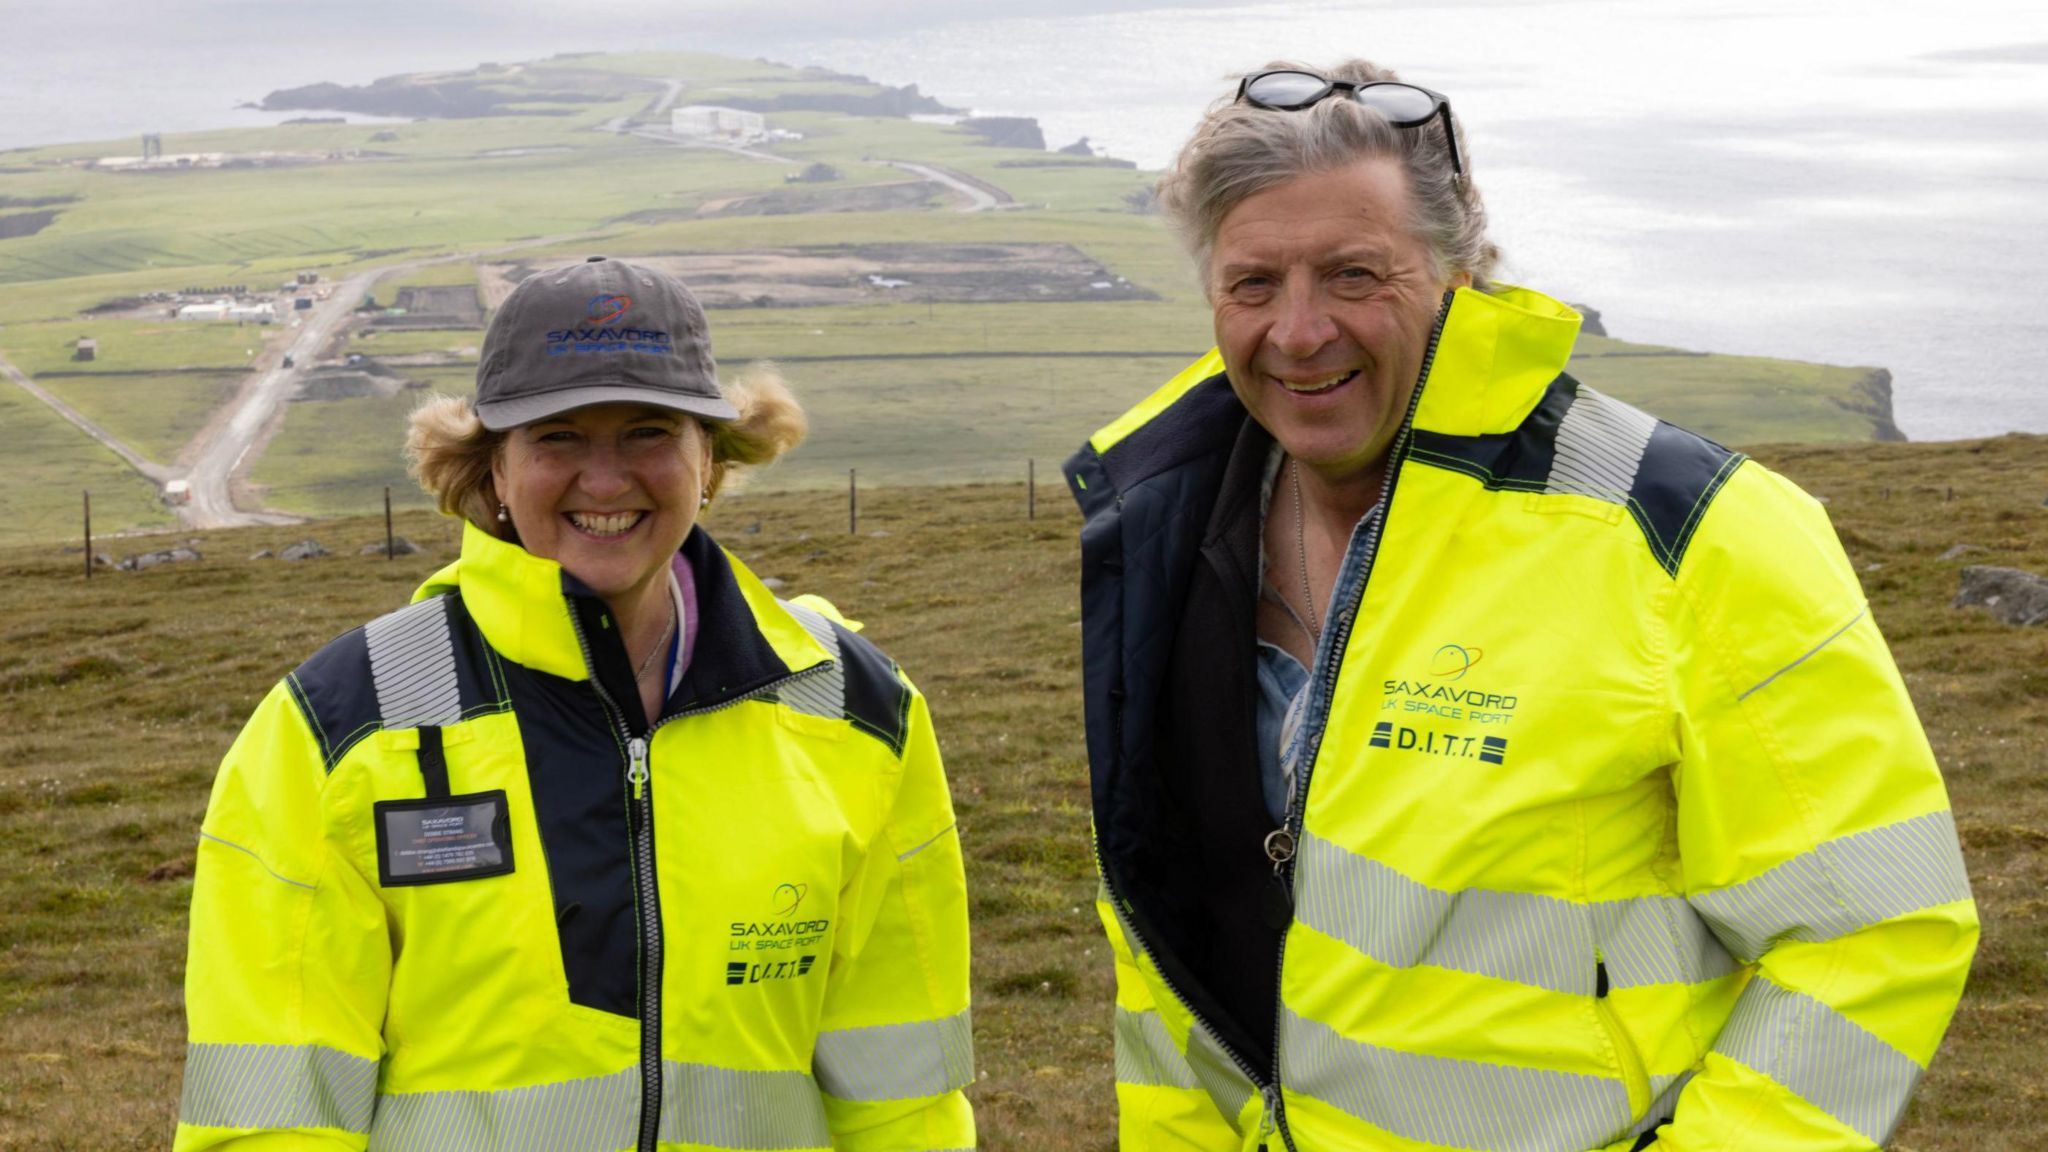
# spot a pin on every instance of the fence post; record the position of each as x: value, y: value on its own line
x: 1031, y: 489
x: 852, y: 505
x: 390, y: 545
x: 88, y: 535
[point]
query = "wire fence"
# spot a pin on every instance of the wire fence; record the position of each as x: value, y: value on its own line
x: 390, y: 504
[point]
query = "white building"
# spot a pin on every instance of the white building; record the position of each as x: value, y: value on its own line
x: 263, y: 313
x: 217, y: 310
x: 711, y: 122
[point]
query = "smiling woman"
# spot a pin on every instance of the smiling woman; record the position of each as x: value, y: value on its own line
x: 438, y: 840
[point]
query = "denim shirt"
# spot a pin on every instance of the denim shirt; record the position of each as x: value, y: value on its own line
x: 1290, y: 716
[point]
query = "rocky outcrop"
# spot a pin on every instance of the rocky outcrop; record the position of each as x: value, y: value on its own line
x: 1590, y: 324
x: 2013, y: 595
x: 440, y: 100
x: 1007, y: 131
x: 303, y: 550
x: 152, y: 559
x: 1872, y: 397
x: 885, y: 101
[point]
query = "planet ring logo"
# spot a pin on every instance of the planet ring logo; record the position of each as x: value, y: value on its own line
x: 605, y: 309
x: 788, y: 897
x: 1454, y: 660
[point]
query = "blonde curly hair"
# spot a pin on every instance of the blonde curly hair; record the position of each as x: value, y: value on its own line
x: 449, y: 452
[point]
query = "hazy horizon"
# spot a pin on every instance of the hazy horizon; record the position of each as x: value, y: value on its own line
x: 1823, y: 180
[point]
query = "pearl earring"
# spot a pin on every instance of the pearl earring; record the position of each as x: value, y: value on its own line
x: 703, y: 502
x: 504, y: 514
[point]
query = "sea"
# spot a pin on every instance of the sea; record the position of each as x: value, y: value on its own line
x: 1849, y: 181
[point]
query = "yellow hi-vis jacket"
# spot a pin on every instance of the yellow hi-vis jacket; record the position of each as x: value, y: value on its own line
x: 449, y: 899
x: 1621, y: 832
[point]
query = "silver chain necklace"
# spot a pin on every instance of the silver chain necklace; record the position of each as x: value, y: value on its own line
x: 1315, y: 627
x: 660, y: 645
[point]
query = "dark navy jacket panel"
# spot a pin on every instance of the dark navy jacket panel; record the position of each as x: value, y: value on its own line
x: 337, y: 693
x: 576, y: 767
x: 877, y: 699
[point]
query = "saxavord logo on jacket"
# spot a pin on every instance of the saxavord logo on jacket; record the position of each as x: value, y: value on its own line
x: 740, y: 972
x: 781, y: 932
x: 1453, y: 720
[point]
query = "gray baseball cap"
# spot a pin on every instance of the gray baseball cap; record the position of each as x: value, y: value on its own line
x: 598, y: 332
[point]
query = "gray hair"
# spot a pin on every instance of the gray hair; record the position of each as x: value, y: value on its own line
x: 1238, y: 151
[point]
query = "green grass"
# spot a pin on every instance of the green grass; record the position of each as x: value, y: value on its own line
x: 407, y: 341
x: 336, y: 457
x: 434, y: 191
x: 449, y: 274
x: 101, y: 818
x: 153, y: 383
x: 49, y: 463
x: 155, y: 415
x: 435, y: 202
x: 128, y: 346
x: 1734, y: 399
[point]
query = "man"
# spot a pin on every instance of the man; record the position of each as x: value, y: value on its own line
x: 1478, y: 762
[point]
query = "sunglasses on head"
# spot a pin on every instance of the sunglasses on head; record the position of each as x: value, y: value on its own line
x: 1404, y: 105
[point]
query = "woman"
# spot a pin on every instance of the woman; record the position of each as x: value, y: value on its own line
x: 1478, y: 761
x: 597, y: 844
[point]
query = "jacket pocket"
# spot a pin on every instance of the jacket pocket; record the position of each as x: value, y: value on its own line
x: 1633, y: 1074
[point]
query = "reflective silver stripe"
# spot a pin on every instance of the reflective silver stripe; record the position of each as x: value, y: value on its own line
x: 1831, y: 638
x: 1214, y: 1071
x: 412, y: 664
x: 1600, y: 445
x: 720, y: 1107
x: 730, y: 1109
x: 1657, y: 940
x: 936, y: 837
x: 258, y: 859
x: 1541, y: 941
x: 1217, y: 1073
x: 1145, y: 1053
x: 1458, y: 1103
x: 1664, y: 1091
x: 821, y: 693
x: 596, y: 1114
x: 896, y: 1061
x: 277, y: 1086
x: 1822, y: 1056
x: 1842, y: 885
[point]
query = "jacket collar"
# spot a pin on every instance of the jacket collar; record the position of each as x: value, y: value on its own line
x: 524, y: 604
x: 1496, y: 354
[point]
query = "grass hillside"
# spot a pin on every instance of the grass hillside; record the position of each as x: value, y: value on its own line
x: 121, y: 693
x: 944, y: 376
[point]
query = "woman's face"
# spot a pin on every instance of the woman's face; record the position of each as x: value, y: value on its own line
x: 608, y: 492
x: 1325, y: 300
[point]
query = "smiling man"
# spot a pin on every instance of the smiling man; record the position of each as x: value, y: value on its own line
x: 1478, y: 762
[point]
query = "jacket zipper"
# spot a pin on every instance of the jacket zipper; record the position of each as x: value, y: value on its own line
x: 1269, y: 1092
x: 1633, y: 1074
x: 646, y: 898
x: 1281, y: 848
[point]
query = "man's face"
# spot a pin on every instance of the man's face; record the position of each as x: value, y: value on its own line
x: 1325, y: 301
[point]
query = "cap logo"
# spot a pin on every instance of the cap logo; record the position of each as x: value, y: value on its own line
x: 605, y: 309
